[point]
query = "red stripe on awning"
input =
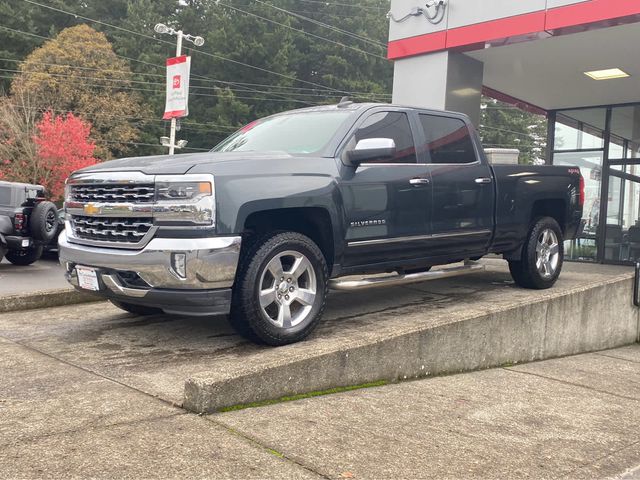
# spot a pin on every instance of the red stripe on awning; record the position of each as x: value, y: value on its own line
x: 408, y: 47
x: 589, y: 12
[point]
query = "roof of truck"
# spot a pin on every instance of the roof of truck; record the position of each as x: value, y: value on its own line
x: 354, y: 107
x: 20, y: 185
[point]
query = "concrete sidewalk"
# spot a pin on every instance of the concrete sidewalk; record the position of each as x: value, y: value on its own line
x: 575, y: 417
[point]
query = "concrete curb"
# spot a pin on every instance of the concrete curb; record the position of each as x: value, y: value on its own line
x: 588, y: 318
x: 54, y: 298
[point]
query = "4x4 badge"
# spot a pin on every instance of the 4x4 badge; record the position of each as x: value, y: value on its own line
x: 91, y: 209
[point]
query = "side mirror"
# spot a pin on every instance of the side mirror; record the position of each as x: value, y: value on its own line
x: 369, y: 149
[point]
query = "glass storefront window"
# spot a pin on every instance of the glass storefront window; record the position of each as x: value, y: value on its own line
x: 580, y: 129
x: 580, y: 137
x: 590, y: 163
x: 616, y: 147
x: 625, y: 129
x: 622, y: 236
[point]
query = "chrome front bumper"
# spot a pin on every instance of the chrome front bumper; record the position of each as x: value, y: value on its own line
x: 211, y: 264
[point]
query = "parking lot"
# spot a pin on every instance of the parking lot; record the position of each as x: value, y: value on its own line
x: 44, y: 275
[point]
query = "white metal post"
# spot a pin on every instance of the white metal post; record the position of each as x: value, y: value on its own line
x: 174, y: 121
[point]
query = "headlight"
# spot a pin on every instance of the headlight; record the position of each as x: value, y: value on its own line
x: 186, y: 200
x: 182, y: 191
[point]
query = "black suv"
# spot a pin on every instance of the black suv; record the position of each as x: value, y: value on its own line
x: 27, y: 222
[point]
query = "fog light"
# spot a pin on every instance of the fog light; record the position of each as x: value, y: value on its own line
x: 26, y: 243
x: 179, y: 264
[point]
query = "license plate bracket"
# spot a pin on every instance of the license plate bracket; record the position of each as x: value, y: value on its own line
x: 88, y: 278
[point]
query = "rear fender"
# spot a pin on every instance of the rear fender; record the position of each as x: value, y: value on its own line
x: 6, y: 226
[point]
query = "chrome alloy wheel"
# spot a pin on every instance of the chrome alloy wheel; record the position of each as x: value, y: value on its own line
x: 287, y: 289
x: 547, y: 253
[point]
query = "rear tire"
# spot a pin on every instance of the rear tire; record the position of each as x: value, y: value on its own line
x: 542, y: 256
x: 136, y: 309
x: 24, y: 257
x: 280, y: 289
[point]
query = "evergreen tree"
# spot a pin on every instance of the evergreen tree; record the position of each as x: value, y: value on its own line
x: 78, y: 72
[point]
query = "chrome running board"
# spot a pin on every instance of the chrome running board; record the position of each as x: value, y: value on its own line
x: 393, y: 280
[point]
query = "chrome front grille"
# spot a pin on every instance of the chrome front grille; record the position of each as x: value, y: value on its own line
x: 132, y: 193
x: 108, y: 229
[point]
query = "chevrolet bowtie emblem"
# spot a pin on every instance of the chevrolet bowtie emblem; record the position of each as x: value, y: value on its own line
x: 91, y: 209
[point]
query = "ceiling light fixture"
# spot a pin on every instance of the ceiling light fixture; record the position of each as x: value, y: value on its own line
x: 607, y: 74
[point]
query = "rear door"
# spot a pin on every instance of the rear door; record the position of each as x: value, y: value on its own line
x: 387, y: 202
x: 463, y: 191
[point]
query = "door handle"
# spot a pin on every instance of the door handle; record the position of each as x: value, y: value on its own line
x: 483, y: 180
x: 419, y: 181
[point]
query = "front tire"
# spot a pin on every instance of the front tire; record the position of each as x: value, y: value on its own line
x: 542, y: 256
x: 24, y: 257
x: 280, y: 290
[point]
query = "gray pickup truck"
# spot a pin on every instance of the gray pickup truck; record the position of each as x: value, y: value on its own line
x: 283, y: 210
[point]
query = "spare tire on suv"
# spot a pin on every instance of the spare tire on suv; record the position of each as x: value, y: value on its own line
x: 44, y: 221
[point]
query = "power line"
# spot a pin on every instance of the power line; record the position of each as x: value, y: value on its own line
x: 146, y: 145
x: 247, y: 87
x: 146, y: 82
x: 209, y: 126
x: 528, y: 135
x: 201, y: 79
x: 298, y: 30
x: 150, y: 84
x: 324, y: 25
x: 213, y: 55
x: 350, y: 5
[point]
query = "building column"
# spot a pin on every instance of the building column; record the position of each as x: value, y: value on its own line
x: 441, y: 81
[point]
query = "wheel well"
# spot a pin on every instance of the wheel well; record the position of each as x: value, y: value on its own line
x: 313, y: 222
x: 556, y: 209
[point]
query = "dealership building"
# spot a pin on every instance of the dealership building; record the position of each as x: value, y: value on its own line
x: 575, y: 61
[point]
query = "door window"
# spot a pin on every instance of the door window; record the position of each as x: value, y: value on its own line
x: 393, y: 125
x: 448, y: 140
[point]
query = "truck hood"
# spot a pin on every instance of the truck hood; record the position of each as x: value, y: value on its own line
x: 179, y: 164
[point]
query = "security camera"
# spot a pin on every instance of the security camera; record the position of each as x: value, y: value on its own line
x: 182, y: 143
x: 165, y: 141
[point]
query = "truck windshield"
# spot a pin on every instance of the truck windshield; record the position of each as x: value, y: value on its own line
x: 297, y: 133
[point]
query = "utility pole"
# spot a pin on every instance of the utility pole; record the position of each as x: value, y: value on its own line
x: 198, y: 42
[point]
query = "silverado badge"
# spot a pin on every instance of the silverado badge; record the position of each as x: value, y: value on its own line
x: 368, y: 223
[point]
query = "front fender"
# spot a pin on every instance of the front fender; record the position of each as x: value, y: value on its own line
x: 239, y: 197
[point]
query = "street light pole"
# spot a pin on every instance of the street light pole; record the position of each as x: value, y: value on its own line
x: 198, y: 42
x: 174, y: 121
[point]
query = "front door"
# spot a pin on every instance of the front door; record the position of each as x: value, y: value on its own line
x: 388, y: 204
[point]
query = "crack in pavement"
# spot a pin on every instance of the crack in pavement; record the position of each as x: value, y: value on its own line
x: 608, y: 455
x: 33, y: 438
x: 586, y: 387
x: 250, y: 441
x: 257, y: 442
x: 617, y: 358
